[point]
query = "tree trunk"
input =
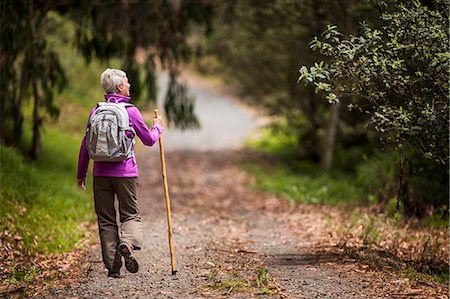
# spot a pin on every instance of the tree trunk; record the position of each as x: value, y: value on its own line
x: 330, y: 138
x: 2, y: 119
x: 36, y: 147
x: 308, y: 139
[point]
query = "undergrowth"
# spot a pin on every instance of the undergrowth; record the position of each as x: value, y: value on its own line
x: 299, y: 181
x: 387, y: 242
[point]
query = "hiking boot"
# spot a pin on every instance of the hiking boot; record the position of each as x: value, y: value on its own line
x: 130, y: 262
x: 114, y: 275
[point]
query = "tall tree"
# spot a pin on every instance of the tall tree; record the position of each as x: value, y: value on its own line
x: 27, y: 66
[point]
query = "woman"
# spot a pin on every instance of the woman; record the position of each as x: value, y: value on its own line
x: 118, y: 178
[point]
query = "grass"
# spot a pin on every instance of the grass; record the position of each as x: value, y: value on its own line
x: 239, y: 280
x: 40, y: 201
x: 226, y: 280
x: 262, y: 277
x: 231, y: 284
x: 305, y: 186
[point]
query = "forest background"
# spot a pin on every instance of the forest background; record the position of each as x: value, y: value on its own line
x: 371, y: 123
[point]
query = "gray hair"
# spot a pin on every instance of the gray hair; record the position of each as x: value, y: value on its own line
x: 110, y: 78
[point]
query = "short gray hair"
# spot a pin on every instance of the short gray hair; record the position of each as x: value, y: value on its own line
x: 110, y: 78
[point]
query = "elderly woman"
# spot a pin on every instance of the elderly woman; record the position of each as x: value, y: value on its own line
x: 118, y: 178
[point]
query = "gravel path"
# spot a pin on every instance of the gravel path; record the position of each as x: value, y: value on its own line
x: 225, y: 234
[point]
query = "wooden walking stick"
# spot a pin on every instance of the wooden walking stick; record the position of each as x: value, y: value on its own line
x: 166, y: 195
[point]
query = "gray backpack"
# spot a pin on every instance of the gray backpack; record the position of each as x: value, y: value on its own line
x: 106, y: 138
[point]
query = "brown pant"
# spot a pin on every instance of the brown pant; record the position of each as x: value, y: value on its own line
x: 131, y: 230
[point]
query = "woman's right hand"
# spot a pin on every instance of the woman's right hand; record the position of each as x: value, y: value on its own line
x: 158, y: 120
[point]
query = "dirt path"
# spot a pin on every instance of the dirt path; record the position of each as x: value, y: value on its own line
x: 230, y: 241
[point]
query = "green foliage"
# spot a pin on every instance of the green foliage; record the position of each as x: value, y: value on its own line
x: 411, y: 273
x: 416, y: 276
x: 31, y: 67
x: 438, y: 220
x: 262, y: 280
x: 367, y: 180
x: 21, y: 275
x: 231, y: 281
x: 84, y: 90
x: 442, y: 278
x: 394, y: 208
x: 40, y: 201
x: 398, y: 76
x: 236, y: 283
x: 267, y: 291
x: 276, y: 139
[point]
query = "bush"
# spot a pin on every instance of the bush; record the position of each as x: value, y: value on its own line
x: 377, y: 176
x: 398, y: 76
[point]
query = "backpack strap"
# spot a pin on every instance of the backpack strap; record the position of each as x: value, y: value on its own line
x: 128, y: 105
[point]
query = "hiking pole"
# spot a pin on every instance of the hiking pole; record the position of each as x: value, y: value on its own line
x: 166, y: 195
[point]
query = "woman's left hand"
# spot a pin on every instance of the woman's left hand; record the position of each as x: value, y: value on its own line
x: 82, y: 183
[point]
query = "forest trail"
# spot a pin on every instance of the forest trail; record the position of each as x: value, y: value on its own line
x: 231, y: 241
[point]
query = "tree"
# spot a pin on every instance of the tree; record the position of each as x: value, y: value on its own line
x: 28, y: 66
x: 398, y: 77
x: 105, y: 29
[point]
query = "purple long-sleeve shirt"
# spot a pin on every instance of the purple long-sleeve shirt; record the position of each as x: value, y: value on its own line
x: 128, y: 167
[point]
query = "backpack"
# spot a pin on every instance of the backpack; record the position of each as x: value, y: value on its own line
x: 106, y: 135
